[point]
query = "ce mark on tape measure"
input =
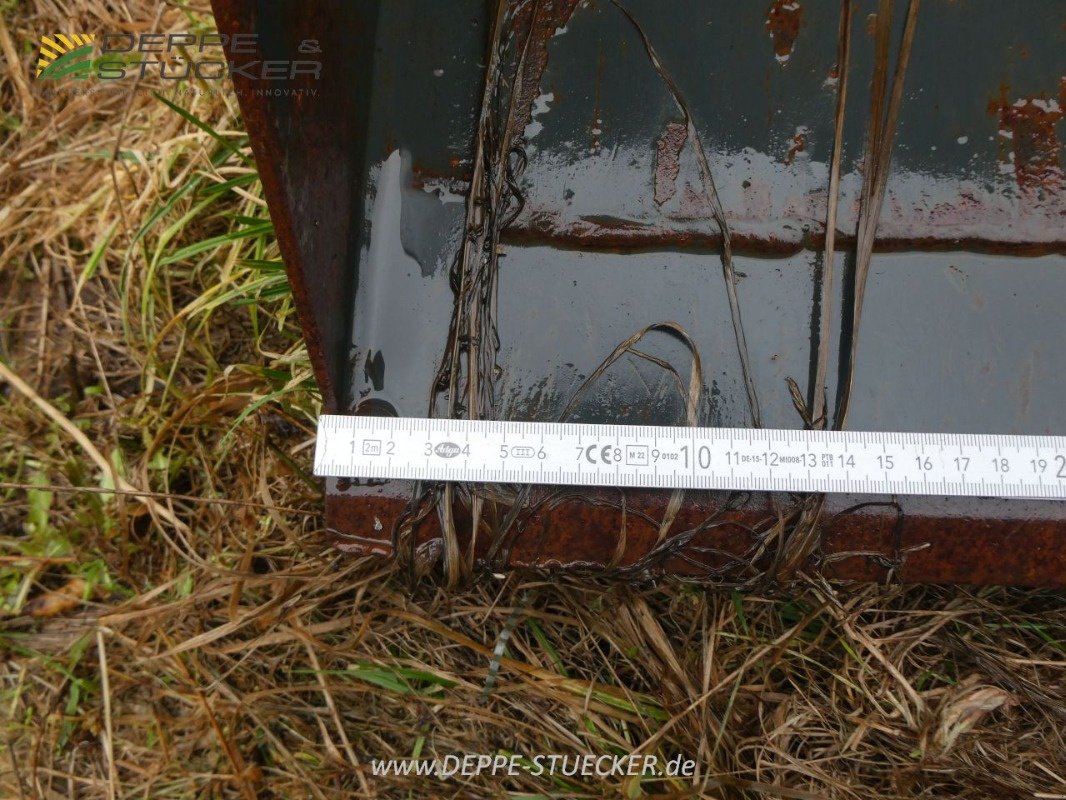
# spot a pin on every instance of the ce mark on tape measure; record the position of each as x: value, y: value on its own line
x: 632, y: 455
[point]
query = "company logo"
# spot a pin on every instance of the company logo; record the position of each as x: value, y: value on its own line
x: 170, y: 57
x: 65, y: 56
x: 447, y: 449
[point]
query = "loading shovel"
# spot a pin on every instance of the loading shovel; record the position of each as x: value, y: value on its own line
x: 601, y: 212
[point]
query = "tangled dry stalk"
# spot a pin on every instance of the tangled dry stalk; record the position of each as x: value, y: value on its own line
x: 174, y: 627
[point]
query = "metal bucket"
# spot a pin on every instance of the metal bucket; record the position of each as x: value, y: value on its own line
x: 631, y: 142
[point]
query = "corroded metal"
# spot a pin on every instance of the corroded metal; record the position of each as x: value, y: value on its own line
x: 962, y: 329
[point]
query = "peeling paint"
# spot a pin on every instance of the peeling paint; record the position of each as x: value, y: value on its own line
x: 1029, y: 142
x: 783, y: 21
x: 536, y: 23
x: 797, y: 146
x: 668, y: 160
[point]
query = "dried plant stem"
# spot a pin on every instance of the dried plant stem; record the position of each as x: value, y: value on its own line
x: 108, y: 733
x: 7, y: 45
x: 693, y: 395
x: 467, y: 268
x: 717, y: 211
x: 805, y: 535
x: 87, y: 447
x: 483, y: 342
x: 818, y: 413
x: 881, y: 135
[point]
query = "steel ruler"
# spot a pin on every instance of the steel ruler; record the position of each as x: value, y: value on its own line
x: 576, y: 454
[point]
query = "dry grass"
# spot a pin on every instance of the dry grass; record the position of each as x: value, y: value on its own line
x: 200, y: 642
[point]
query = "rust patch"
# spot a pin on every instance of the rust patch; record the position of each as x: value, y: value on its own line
x: 783, y: 22
x: 537, y: 24
x: 798, y: 145
x: 668, y: 160
x: 607, y: 234
x: 861, y: 539
x: 694, y: 204
x: 1027, y: 133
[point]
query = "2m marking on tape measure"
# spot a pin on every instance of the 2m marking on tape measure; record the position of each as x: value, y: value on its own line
x: 691, y: 458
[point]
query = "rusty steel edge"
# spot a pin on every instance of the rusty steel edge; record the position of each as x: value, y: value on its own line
x: 918, y: 541
x: 307, y: 169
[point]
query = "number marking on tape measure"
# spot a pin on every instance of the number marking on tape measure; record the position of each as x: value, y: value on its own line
x: 691, y: 458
